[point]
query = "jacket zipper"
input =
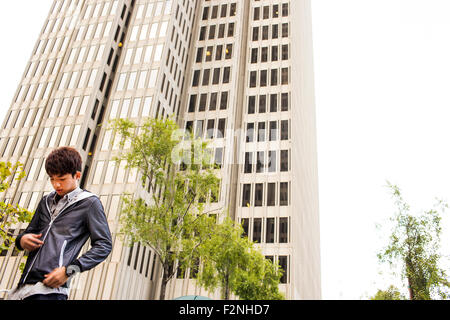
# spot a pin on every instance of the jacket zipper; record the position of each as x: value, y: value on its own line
x: 45, y: 237
x: 61, y: 254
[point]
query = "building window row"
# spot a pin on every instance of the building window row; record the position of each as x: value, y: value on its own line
x: 86, y: 54
x: 267, y: 131
x: 266, y: 161
x: 212, y: 32
x: 273, y: 102
x: 213, y: 12
x: 270, y: 77
x: 208, y: 101
x: 266, y: 230
x: 31, y: 116
x: 147, y: 31
x: 54, y: 45
x: 136, y: 108
x: 147, y: 54
x: 100, y: 9
x: 209, y: 128
x: 94, y: 31
x: 219, y: 52
x: 42, y: 67
x: 205, y: 78
x: 68, y: 107
x: 143, y: 254
x: 265, y: 12
x: 34, y: 92
x: 211, y: 76
x: 272, y: 53
x: 265, y: 194
x: 110, y: 172
x: 283, y: 262
x: 15, y: 146
x: 263, y: 33
x: 154, y: 9
x: 137, y: 80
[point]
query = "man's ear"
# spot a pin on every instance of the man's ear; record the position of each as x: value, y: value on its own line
x: 78, y: 175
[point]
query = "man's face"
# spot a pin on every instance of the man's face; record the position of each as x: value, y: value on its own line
x: 66, y: 183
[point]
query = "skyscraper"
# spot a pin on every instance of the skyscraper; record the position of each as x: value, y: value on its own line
x: 238, y: 72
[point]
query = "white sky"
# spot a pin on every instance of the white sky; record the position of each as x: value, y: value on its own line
x: 383, y: 107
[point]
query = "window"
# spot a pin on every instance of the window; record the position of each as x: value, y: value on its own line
x: 224, y: 101
x: 252, y: 79
x: 216, y: 76
x: 213, y: 101
x: 254, y: 55
x: 258, y: 194
x: 284, y: 76
x: 261, y: 131
x: 195, y: 80
x: 282, y: 261
x: 284, y: 101
x: 274, y: 77
x: 248, y: 166
x: 199, y: 55
x: 270, y: 230
x: 255, y: 34
x: 262, y: 104
x: 206, y: 74
x: 264, y: 54
x: 273, y: 131
x: 251, y: 104
x: 284, y: 160
x: 221, y: 128
x: 284, y: 193
x: 202, y: 105
x: 245, y: 223
x: 271, y: 189
x: 284, y: 129
x: 273, y: 102
x: 246, y: 191
x: 283, y: 234
x: 250, y: 132
x: 272, y: 161
x: 260, y: 162
x: 229, y: 51
x: 285, y: 52
x: 257, y: 226
x: 226, y: 74
x: 263, y: 78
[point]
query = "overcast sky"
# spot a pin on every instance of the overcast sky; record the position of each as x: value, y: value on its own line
x: 382, y: 71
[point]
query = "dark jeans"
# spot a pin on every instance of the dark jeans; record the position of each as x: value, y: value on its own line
x: 51, y: 296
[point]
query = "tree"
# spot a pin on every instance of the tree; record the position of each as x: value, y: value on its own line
x: 172, y: 222
x: 230, y: 262
x: 10, y: 214
x: 414, y: 243
x: 392, y: 293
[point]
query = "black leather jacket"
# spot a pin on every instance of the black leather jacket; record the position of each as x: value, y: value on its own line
x: 65, y: 235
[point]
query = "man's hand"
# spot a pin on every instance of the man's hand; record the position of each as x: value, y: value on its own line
x: 56, y: 278
x: 31, y: 241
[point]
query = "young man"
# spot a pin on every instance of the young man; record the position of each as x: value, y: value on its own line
x: 61, y: 225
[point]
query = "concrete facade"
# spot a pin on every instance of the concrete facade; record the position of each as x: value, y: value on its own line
x: 238, y: 72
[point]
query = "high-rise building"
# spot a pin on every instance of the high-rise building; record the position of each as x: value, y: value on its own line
x: 238, y: 72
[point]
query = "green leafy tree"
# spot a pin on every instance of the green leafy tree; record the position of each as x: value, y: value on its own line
x: 414, y: 243
x: 10, y: 214
x: 392, y: 293
x: 172, y: 221
x: 231, y: 263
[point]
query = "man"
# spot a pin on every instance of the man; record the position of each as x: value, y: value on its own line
x: 61, y: 225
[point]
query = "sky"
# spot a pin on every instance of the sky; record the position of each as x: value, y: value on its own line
x: 382, y: 79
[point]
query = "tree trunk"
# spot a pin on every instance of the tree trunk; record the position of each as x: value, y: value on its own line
x: 165, y: 279
x: 226, y: 289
